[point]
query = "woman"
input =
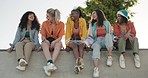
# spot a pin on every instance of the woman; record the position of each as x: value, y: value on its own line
x: 26, y: 39
x: 126, y: 34
x: 100, y: 30
x: 76, y: 32
x: 51, y: 33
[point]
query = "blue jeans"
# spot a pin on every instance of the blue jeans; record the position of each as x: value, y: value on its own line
x: 102, y: 42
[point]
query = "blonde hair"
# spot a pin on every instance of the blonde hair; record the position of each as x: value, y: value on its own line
x: 55, y: 13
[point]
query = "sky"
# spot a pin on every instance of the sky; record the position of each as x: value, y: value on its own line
x: 12, y: 10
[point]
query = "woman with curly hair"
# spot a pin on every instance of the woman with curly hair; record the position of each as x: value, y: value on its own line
x: 26, y: 39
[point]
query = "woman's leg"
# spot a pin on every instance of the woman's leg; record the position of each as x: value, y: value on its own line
x: 96, y: 53
x: 109, y: 45
x: 75, y: 50
x: 56, y: 52
x: 80, y: 49
x: 74, y: 46
x: 135, y: 45
x: 20, y: 56
x: 19, y: 50
x: 121, y: 45
x: 96, y: 58
x: 45, y: 47
x: 81, y: 53
x: 28, y: 50
x: 121, y: 48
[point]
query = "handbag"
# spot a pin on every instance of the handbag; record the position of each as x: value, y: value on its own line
x: 89, y: 40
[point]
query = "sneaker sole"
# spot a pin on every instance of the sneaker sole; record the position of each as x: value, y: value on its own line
x: 50, y: 70
x: 77, y: 70
x: 20, y: 69
x: 46, y: 72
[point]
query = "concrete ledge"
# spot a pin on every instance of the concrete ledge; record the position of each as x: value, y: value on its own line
x: 66, y: 63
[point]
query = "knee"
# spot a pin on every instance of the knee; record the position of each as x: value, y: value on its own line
x: 95, y: 55
x: 29, y: 44
x: 58, y: 44
x: 120, y: 39
x: 44, y: 44
x: 73, y: 45
x: 18, y: 44
x: 95, y: 45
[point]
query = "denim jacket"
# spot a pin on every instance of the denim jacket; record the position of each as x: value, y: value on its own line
x: 94, y: 29
x: 20, y: 35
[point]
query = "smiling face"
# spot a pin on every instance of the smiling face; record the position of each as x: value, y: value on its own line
x: 119, y: 18
x: 31, y: 17
x: 49, y: 17
x: 94, y: 15
x: 74, y: 15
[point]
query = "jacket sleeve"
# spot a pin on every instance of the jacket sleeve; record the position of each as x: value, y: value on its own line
x: 62, y: 31
x: 132, y: 27
x: 84, y: 29
x: 17, y: 37
x: 68, y: 33
x: 36, y: 39
x: 90, y: 30
x: 116, y: 30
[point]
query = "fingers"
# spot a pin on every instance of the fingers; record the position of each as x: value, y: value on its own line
x: 9, y: 50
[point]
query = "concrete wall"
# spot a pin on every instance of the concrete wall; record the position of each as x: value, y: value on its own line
x: 66, y: 63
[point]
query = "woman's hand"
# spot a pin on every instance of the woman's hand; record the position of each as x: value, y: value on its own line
x: 52, y: 44
x: 10, y: 50
x: 67, y: 49
x: 38, y: 49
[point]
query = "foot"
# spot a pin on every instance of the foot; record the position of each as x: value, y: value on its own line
x: 81, y: 63
x: 51, y: 67
x: 122, y: 61
x: 137, y: 61
x: 96, y: 72
x: 77, y: 69
x: 109, y: 61
x: 22, y: 62
x: 21, y: 68
x: 46, y: 71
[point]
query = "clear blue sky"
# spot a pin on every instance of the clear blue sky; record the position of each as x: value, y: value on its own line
x: 12, y: 10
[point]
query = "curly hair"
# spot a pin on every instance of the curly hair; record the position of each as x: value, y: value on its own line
x: 24, y: 20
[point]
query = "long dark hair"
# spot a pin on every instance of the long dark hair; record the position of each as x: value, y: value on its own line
x: 24, y: 20
x: 100, y: 17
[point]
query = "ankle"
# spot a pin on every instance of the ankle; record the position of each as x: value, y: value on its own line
x: 135, y: 54
x: 49, y: 61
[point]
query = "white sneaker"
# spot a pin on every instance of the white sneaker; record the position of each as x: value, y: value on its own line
x: 51, y: 67
x: 21, y: 68
x: 122, y: 61
x: 137, y: 60
x: 96, y: 72
x: 22, y: 62
x: 46, y: 71
x: 77, y: 69
x: 109, y: 61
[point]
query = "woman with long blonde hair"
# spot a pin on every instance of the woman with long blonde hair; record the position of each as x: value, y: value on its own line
x: 52, y: 31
